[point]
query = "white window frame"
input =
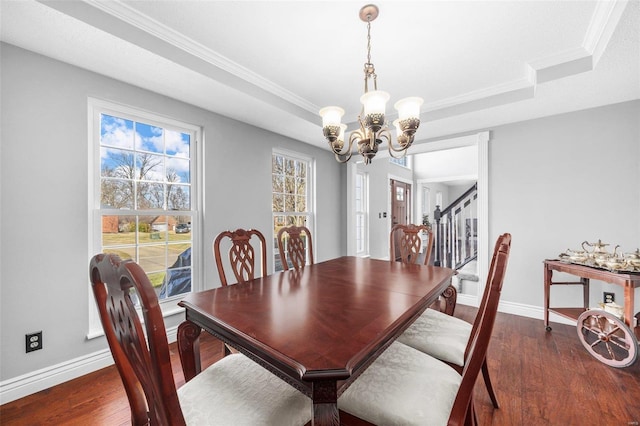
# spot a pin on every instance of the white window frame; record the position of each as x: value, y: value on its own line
x: 96, y: 107
x: 364, y: 213
x: 407, y: 160
x: 310, y: 200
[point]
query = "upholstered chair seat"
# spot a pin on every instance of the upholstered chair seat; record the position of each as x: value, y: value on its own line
x: 237, y: 391
x: 439, y: 335
x: 403, y: 387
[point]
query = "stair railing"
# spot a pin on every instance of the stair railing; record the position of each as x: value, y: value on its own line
x: 456, y: 231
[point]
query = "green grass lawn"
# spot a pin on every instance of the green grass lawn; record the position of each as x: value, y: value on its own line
x: 152, y: 256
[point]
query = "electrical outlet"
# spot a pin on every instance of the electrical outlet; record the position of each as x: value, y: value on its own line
x: 33, y: 341
x: 608, y: 297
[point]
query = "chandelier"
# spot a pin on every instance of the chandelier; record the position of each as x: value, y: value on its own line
x: 373, y: 125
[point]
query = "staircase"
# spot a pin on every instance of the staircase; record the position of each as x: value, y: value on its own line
x: 456, y: 231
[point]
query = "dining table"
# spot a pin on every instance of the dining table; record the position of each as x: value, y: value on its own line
x: 319, y: 327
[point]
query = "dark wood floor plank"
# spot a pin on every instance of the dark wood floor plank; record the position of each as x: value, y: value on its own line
x: 540, y: 377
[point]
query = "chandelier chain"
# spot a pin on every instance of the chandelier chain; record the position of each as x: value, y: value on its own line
x: 368, y: 40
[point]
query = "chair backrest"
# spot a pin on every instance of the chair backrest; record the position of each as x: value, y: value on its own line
x: 408, y: 240
x: 481, y: 331
x: 145, y: 370
x: 242, y: 256
x: 297, y: 244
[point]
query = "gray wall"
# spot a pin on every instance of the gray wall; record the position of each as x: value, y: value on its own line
x: 557, y: 181
x: 44, y: 205
x: 553, y: 183
x: 379, y: 172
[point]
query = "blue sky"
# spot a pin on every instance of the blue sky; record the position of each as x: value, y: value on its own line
x: 172, y: 146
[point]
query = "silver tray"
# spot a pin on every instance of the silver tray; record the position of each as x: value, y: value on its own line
x: 592, y: 264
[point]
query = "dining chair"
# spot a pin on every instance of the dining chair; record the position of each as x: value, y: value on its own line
x: 405, y: 386
x: 242, y: 254
x: 234, y: 390
x: 448, y: 338
x: 405, y: 242
x: 298, y: 242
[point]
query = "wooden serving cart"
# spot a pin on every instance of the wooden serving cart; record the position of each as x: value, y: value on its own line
x: 611, y: 340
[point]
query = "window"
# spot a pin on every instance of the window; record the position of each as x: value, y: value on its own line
x: 402, y: 161
x: 362, y: 209
x: 291, y: 201
x: 144, y: 194
x: 426, y: 203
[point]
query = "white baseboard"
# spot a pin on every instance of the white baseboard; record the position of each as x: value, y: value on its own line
x: 35, y: 381
x: 520, y: 309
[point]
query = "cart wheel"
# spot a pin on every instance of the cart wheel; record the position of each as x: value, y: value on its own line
x: 607, y: 338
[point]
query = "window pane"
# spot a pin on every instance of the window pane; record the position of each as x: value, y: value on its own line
x: 289, y: 185
x: 149, y: 138
x: 178, y: 170
x: 301, y: 205
x: 116, y: 132
x: 277, y: 183
x: 117, y: 231
x: 177, y: 143
x: 153, y: 259
x: 289, y: 203
x: 178, y: 197
x: 301, y: 186
x: 150, y: 195
x: 278, y: 202
x: 116, y: 194
x: 149, y: 167
x: 117, y: 163
x: 289, y: 167
x: 277, y: 164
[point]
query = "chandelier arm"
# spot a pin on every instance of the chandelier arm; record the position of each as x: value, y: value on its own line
x: 347, y: 157
x: 401, y: 147
x: 384, y: 133
x: 345, y: 148
x: 403, y: 152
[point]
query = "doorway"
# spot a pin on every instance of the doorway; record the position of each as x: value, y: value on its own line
x: 400, y: 207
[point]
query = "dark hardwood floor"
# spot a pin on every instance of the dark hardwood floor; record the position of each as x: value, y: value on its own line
x: 540, y: 378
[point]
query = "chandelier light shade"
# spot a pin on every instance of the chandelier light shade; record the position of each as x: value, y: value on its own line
x: 374, y: 128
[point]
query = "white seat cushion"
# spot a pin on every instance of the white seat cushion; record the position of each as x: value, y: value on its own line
x: 403, y: 387
x: 237, y: 391
x: 439, y: 335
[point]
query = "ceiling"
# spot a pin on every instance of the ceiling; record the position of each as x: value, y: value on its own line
x: 274, y: 64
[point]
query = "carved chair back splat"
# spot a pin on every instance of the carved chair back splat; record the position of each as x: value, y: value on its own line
x: 242, y: 254
x: 298, y: 243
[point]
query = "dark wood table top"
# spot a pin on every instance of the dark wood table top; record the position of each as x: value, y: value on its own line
x: 324, y: 320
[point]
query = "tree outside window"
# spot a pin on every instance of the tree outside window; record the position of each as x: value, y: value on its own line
x: 290, y: 184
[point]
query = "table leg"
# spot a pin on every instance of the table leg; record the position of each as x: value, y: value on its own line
x: 585, y: 292
x: 628, y: 305
x: 548, y: 273
x: 325, y: 403
x: 189, y: 349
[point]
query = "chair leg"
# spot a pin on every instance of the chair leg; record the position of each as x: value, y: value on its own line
x: 471, y: 419
x: 487, y: 382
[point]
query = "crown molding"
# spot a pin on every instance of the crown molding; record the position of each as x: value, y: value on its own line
x: 574, y: 61
x: 131, y: 16
x: 604, y: 21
